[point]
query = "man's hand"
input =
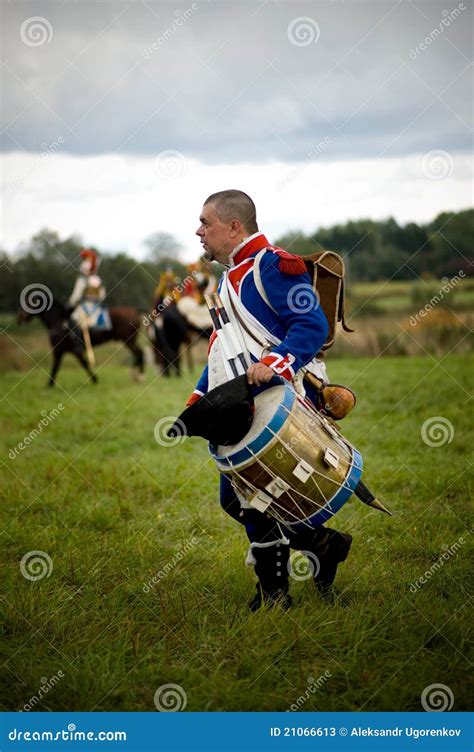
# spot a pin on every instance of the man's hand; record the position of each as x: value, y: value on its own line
x: 259, y: 373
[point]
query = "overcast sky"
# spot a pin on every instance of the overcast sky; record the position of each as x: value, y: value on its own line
x: 120, y: 118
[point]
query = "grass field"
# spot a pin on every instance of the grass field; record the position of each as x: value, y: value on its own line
x: 146, y: 583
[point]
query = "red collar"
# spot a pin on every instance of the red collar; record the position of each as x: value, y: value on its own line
x: 249, y: 248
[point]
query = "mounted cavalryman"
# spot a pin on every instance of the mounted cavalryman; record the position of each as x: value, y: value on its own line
x: 86, y: 301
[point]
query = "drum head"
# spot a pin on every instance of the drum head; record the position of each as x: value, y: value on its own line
x: 266, y: 405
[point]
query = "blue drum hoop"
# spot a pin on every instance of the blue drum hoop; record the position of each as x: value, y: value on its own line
x: 267, y: 435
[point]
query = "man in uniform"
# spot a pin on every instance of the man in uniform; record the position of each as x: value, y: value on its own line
x: 86, y: 300
x: 229, y: 234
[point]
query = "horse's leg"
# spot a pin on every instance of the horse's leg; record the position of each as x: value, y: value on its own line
x: 177, y: 362
x: 138, y: 361
x: 189, y: 342
x: 86, y: 366
x: 57, y: 358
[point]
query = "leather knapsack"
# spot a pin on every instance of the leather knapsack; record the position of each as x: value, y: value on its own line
x: 326, y: 269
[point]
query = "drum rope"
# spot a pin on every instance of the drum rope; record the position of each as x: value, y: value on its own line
x: 338, y: 439
x: 276, y: 504
x: 338, y: 483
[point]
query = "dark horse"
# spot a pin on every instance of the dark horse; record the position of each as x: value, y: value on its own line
x: 171, y: 331
x: 125, y: 327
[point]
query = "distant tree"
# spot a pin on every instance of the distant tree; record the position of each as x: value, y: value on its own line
x: 162, y: 246
x: 451, y: 236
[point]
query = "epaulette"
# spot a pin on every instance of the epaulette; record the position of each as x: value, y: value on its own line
x: 288, y: 263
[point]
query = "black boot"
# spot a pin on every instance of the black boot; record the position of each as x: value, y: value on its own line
x: 326, y: 549
x: 271, y: 569
x: 332, y: 552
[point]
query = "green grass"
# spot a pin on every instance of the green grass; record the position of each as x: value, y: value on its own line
x: 112, y: 508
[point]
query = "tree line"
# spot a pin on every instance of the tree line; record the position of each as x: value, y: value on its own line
x: 373, y: 250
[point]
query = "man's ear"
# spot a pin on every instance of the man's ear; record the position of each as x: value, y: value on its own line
x: 235, y: 226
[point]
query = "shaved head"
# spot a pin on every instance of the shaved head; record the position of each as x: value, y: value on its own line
x: 233, y: 204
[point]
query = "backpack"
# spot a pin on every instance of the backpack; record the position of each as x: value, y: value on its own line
x: 326, y: 269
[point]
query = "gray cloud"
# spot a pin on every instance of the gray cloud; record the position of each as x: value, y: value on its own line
x: 223, y: 82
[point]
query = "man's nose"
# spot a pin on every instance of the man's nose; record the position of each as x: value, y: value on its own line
x: 199, y: 230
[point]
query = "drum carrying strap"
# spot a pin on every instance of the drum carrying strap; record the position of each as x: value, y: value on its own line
x: 258, y: 339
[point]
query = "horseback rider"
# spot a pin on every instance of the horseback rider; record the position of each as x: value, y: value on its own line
x: 86, y: 300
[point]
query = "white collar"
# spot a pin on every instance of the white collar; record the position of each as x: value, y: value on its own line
x: 239, y: 247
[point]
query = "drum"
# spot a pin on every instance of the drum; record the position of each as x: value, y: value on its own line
x: 293, y: 464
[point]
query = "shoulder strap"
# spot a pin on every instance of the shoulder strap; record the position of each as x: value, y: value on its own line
x: 258, y: 279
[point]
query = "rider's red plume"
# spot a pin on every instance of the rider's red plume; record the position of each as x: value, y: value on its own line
x: 90, y: 255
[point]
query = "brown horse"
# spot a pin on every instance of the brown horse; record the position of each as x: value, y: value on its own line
x: 125, y: 328
x: 172, y: 331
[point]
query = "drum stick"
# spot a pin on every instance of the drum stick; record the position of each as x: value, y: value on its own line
x: 221, y: 337
x: 228, y: 328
